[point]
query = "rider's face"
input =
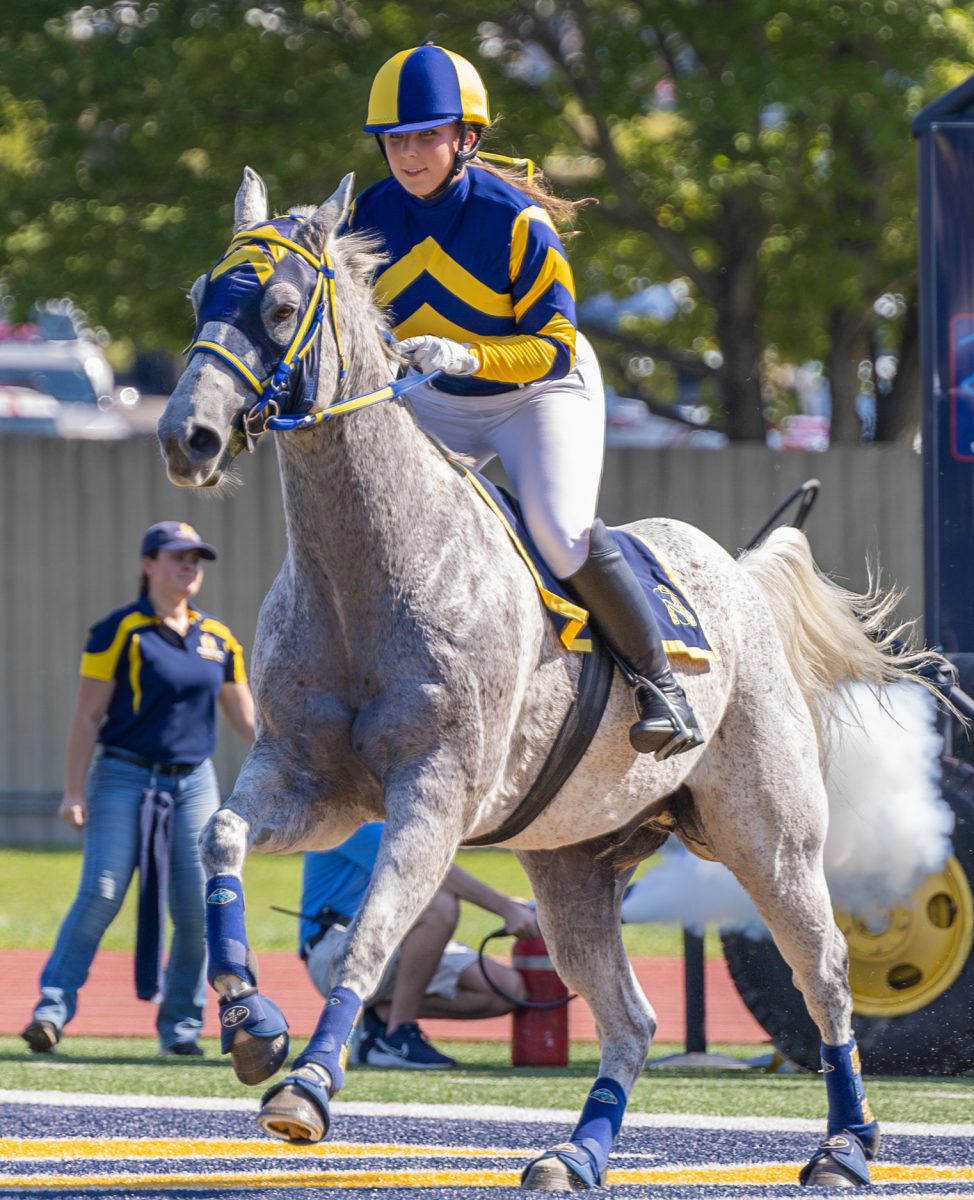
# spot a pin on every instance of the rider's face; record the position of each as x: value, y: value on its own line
x: 422, y: 161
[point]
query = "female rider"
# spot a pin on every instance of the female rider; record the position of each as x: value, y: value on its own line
x: 479, y: 288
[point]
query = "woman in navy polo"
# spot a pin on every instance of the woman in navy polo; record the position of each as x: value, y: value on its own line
x: 151, y: 675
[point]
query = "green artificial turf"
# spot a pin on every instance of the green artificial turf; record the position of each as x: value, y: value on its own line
x: 117, y: 1066
x: 39, y: 885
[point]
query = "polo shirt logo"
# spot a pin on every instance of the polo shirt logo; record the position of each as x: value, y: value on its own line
x: 210, y: 648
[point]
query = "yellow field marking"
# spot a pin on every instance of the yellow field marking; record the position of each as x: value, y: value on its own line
x: 138, y: 1148
x: 742, y: 1174
x: 246, y: 1182
x: 771, y: 1173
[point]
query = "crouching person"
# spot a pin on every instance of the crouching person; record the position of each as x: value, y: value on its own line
x: 429, y: 975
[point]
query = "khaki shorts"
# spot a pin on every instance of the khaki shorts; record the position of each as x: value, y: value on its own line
x: 445, y: 982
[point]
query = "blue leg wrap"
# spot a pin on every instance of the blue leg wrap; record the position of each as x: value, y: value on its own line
x: 332, y: 1038
x: 849, y: 1109
x: 587, y: 1154
x: 258, y: 1015
x: 226, y: 932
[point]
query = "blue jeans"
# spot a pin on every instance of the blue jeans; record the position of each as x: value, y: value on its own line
x: 111, y: 855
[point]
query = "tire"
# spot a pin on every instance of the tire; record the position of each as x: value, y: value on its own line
x: 913, y: 994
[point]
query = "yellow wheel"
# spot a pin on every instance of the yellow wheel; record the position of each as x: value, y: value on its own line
x: 911, y: 972
x: 906, y: 959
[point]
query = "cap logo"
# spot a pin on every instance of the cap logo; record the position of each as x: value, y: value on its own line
x: 187, y: 531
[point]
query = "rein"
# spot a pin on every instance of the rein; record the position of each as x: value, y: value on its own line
x: 268, y: 413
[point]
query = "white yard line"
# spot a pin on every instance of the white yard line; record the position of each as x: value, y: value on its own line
x: 470, y: 1112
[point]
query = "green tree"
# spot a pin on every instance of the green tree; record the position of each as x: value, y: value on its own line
x: 124, y: 131
x: 754, y: 156
x: 761, y: 152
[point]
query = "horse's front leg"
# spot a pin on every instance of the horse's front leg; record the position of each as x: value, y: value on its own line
x: 418, y: 844
x: 268, y: 809
x: 578, y: 909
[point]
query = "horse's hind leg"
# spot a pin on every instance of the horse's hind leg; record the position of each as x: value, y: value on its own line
x: 773, y: 844
x: 578, y: 910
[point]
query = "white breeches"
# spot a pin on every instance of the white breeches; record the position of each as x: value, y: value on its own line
x: 550, y: 439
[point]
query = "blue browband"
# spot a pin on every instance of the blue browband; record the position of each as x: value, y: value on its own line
x: 286, y: 393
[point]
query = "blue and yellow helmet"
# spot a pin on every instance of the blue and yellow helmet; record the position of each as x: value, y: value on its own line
x: 423, y: 88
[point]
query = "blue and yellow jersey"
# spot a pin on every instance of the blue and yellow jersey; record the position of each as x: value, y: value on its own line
x: 482, y: 265
x: 163, y: 706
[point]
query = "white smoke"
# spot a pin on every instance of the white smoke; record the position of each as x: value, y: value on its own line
x: 888, y: 825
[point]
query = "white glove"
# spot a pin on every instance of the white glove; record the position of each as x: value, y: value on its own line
x: 439, y: 354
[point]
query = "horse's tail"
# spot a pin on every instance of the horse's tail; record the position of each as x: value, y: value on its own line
x: 832, y: 635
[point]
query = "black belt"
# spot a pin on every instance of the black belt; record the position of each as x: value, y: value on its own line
x: 325, y: 919
x: 157, y: 768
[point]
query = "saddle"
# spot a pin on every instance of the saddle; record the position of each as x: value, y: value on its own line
x: 683, y: 640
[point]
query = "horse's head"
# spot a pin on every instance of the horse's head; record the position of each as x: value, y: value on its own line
x: 266, y: 338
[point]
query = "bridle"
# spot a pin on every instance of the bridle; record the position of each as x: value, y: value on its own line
x: 287, y: 391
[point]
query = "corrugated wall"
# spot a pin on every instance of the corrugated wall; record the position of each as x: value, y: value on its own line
x: 72, y: 514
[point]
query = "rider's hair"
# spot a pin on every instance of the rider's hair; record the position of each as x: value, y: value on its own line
x: 563, y: 212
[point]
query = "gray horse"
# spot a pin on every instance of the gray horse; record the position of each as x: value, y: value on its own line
x: 388, y: 686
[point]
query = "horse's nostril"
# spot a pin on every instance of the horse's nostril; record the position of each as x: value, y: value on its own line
x: 204, y: 442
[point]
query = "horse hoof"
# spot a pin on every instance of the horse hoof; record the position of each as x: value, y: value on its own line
x: 829, y: 1174
x: 292, y: 1116
x: 550, y: 1174
x: 257, y: 1058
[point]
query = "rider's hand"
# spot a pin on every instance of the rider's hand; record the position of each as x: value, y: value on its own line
x: 520, y: 920
x: 438, y: 354
x: 73, y: 810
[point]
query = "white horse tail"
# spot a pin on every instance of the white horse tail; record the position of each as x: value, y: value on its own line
x: 832, y: 635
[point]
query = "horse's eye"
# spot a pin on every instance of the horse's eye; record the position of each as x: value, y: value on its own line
x: 284, y: 312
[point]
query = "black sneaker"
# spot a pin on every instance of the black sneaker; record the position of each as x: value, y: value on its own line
x: 183, y: 1050
x: 369, y: 1029
x: 41, y: 1036
x: 406, y: 1047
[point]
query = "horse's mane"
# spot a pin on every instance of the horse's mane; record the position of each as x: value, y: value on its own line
x: 359, y: 256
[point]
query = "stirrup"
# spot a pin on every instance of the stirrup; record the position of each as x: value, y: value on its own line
x: 684, y: 734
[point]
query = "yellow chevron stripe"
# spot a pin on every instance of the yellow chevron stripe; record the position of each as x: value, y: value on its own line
x: 101, y: 664
x: 253, y: 256
x: 519, y: 235
x: 555, y: 269
x: 430, y: 258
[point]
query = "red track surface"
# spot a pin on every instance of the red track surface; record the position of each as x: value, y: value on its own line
x: 107, y: 1005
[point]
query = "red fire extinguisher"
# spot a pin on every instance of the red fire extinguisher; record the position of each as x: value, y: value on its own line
x: 540, y: 1033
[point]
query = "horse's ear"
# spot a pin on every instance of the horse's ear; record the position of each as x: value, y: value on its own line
x: 329, y: 217
x: 250, y: 206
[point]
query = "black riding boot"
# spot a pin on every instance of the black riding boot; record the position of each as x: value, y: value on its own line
x: 621, y: 613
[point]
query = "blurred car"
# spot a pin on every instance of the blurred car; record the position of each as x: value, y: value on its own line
x: 22, y: 410
x: 800, y: 431
x: 74, y: 373
x: 629, y: 422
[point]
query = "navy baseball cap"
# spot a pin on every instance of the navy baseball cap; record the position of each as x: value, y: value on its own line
x: 175, y: 535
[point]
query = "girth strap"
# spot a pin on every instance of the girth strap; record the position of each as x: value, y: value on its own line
x: 574, y: 738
